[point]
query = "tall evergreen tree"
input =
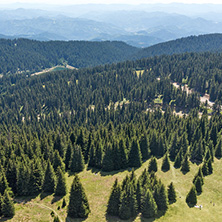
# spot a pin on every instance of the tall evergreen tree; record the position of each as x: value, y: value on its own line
x: 160, y: 196
x: 149, y: 207
x: 185, y: 166
x: 8, y: 208
x: 108, y: 164
x: 178, y: 160
x: 114, y: 200
x: 49, y: 179
x: 218, y: 148
x: 123, y: 155
x: 198, y: 185
x: 205, y: 170
x: 78, y: 203
x: 171, y: 193
x: 210, y: 167
x: 61, y: 183
x: 144, y: 147
x: 68, y: 156
x: 191, y: 197
x: 135, y: 158
x: 152, y: 165
x: 77, y: 160
x: 58, y: 162
x: 166, y: 163
x: 200, y: 175
x: 1, y: 205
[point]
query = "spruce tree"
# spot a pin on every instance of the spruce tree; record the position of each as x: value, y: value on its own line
x: 56, y: 219
x: 3, y: 183
x: 114, y: 200
x: 77, y: 160
x: 135, y: 158
x: 152, y: 165
x: 138, y: 194
x: 191, y: 197
x: 149, y: 206
x: 178, y: 160
x: 128, y: 206
x: 49, y: 179
x: 58, y: 162
x: 205, y: 169
x: 123, y: 155
x: 166, y: 163
x: 108, y: 164
x: 200, y: 175
x: 198, y: 185
x: 210, y: 167
x: 78, y: 203
x: 218, y: 148
x: 68, y: 155
x: 185, y: 167
x: 1, y: 204
x: 61, y: 183
x: 8, y: 209
x: 160, y: 196
x: 144, y: 147
x: 171, y: 193
x: 11, y: 175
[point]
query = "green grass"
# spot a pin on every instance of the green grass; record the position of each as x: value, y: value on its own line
x: 98, y: 186
x: 159, y: 100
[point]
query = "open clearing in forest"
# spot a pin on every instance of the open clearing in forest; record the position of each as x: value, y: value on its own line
x: 98, y: 186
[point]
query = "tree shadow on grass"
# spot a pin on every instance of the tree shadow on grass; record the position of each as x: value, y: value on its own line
x: 110, y: 173
x: 24, y: 199
x: 114, y: 219
x: 68, y: 219
x: 56, y: 199
x: 5, y: 219
x: 44, y: 195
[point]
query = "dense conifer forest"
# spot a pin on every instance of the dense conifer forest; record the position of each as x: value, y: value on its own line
x: 107, y: 118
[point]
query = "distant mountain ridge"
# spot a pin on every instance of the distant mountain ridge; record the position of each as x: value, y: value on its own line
x: 30, y: 55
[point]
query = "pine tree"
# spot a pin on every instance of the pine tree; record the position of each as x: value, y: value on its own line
x: 3, y: 183
x: 185, y: 167
x: 152, y: 165
x: 128, y: 206
x: 144, y: 147
x: 191, y: 197
x: 218, y: 148
x: 63, y: 202
x: 78, y: 203
x: 135, y: 158
x: 198, y: 185
x: 58, y: 145
x: 68, y: 156
x: 61, y: 183
x: 77, y: 160
x: 123, y: 155
x: 114, y: 200
x: 58, y: 161
x: 8, y: 208
x: 1, y: 204
x: 171, y: 193
x: 200, y: 175
x: 160, y: 196
x: 49, y: 179
x: 178, y: 160
x: 11, y: 175
x: 108, y: 164
x: 205, y: 169
x: 138, y: 194
x: 210, y: 167
x: 166, y: 163
x: 149, y: 207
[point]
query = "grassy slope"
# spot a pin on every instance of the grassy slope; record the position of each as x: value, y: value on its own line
x: 98, y: 187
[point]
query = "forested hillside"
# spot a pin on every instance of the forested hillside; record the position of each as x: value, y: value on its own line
x: 108, y: 119
x: 31, y: 56
x: 23, y: 55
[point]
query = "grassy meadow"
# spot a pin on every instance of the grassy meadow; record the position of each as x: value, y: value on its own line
x: 98, y: 186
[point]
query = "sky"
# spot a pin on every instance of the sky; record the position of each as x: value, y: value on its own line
x: 62, y: 2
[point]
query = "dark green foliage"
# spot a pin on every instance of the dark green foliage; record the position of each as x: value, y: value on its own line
x: 8, y: 209
x: 11, y: 175
x: 160, y: 196
x: 172, y: 197
x: 139, y: 195
x: 205, y: 170
x: 185, y: 166
x: 64, y: 203
x: 123, y: 155
x: 61, y: 183
x: 191, y: 197
x: 108, y: 164
x: 68, y: 156
x: 58, y: 145
x: 149, y: 207
x: 210, y: 166
x: 128, y: 205
x: 135, y: 158
x: 166, y: 163
x: 58, y: 161
x: 77, y: 160
x: 114, y: 200
x: 198, y: 185
x: 152, y: 165
x: 49, y: 179
x: 56, y: 219
x: 3, y: 183
x: 78, y: 203
x: 144, y: 147
x: 178, y: 160
x: 1, y: 205
x: 218, y: 149
x: 200, y: 175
